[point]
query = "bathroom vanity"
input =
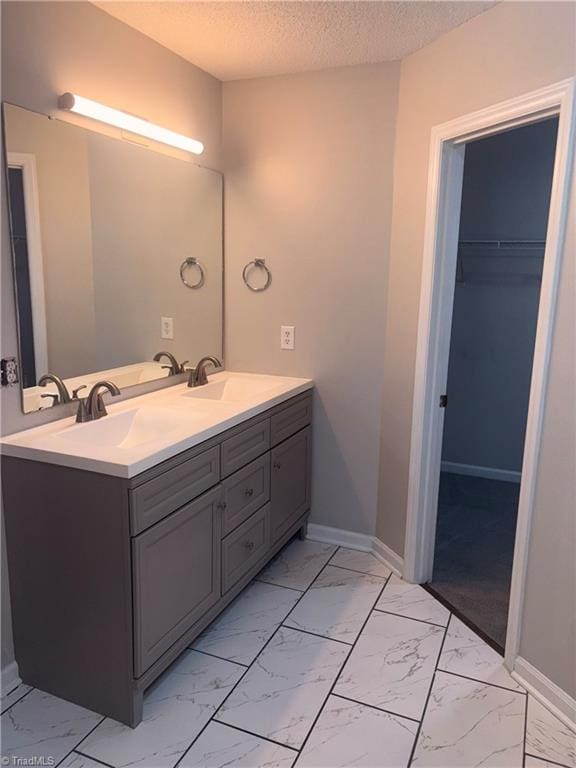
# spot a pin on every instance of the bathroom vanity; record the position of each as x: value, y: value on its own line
x: 128, y: 536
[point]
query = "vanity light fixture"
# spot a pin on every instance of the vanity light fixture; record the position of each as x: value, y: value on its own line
x: 126, y: 122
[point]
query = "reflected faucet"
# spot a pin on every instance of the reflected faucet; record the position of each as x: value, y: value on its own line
x: 63, y: 394
x: 93, y: 407
x: 198, y: 376
x: 175, y: 367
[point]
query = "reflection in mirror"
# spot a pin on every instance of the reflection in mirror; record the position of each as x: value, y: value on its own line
x: 100, y: 231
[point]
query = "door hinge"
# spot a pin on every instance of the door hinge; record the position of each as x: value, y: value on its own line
x: 443, y: 401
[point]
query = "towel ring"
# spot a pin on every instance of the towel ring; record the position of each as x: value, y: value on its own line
x: 260, y: 264
x: 192, y: 261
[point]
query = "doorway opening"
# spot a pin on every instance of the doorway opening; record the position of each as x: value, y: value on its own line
x: 506, y: 188
x: 439, y: 269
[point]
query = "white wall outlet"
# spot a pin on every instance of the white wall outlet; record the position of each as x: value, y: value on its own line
x: 166, y: 327
x: 286, y: 337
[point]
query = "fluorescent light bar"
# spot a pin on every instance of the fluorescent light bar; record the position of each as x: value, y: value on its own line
x: 126, y: 122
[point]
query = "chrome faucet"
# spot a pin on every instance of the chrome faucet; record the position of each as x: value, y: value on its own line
x: 175, y: 367
x: 198, y: 376
x: 92, y: 407
x: 63, y: 394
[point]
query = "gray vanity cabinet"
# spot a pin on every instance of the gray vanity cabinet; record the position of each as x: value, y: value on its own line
x: 290, y: 482
x: 176, y: 577
x: 112, y: 578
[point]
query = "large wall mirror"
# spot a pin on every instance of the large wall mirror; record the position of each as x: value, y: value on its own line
x: 106, y: 235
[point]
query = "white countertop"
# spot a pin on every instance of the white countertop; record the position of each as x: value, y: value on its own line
x: 163, y: 423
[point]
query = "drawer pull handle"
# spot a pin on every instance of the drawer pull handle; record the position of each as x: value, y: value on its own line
x: 249, y: 545
x: 221, y: 505
x: 249, y: 492
x: 277, y: 465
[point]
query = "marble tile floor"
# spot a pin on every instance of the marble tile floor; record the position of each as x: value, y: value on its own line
x: 326, y: 659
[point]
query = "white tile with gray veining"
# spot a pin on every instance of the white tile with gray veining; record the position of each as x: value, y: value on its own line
x: 42, y: 726
x: 220, y: 746
x: 240, y: 633
x: 284, y: 690
x: 337, y: 604
x: 392, y: 664
x: 298, y: 564
x: 412, y: 601
x: 350, y: 734
x: 76, y: 760
x: 364, y: 562
x: 536, y: 762
x: 464, y: 653
x: 176, y: 708
x: 547, y: 737
x: 10, y: 698
x: 471, y: 724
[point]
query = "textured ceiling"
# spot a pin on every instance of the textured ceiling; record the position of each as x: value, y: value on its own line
x: 235, y: 40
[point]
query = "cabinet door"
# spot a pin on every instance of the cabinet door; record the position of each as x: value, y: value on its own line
x: 176, y: 576
x: 290, y: 482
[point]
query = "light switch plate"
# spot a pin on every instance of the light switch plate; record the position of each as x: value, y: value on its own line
x: 166, y: 327
x: 286, y: 337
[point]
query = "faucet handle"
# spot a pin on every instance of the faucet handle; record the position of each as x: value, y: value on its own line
x: 183, y: 368
x: 55, y: 398
x: 75, y: 391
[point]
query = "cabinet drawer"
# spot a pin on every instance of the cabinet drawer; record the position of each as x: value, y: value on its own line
x: 176, y: 571
x: 239, y: 450
x: 244, y: 492
x: 243, y: 548
x: 157, y: 498
x: 290, y: 420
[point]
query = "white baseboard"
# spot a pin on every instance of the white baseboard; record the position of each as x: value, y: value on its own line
x: 490, y: 473
x: 10, y: 678
x: 388, y: 556
x: 548, y: 693
x: 340, y: 537
x: 360, y: 541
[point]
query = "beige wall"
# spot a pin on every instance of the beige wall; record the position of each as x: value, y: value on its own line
x: 309, y: 188
x: 507, y: 51
x: 49, y: 48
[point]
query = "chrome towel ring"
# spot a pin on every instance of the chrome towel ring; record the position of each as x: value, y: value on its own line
x: 257, y: 264
x: 192, y: 261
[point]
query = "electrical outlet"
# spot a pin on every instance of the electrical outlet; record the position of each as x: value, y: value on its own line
x: 9, y: 367
x: 166, y: 327
x: 287, y: 337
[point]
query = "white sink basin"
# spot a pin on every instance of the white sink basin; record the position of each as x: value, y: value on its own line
x: 233, y: 389
x: 132, y: 428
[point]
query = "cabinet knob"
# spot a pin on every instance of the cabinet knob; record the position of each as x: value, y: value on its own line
x: 249, y: 545
x: 277, y: 465
x: 249, y: 492
x: 221, y: 505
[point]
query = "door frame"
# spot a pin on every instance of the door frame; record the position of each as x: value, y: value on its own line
x: 445, y: 176
x: 27, y: 163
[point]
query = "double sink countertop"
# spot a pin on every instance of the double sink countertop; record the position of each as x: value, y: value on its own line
x: 143, y: 431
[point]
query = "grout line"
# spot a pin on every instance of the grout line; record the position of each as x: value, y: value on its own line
x: 545, y: 760
x: 246, y: 670
x: 419, y: 729
x: 95, y: 759
x: 215, y: 656
x: 321, y: 709
x: 273, y: 584
x: 314, y: 634
x: 373, y: 706
x: 360, y: 573
x: 18, y: 700
x: 411, y: 618
x: 482, y: 682
x: 256, y: 735
x: 75, y: 748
